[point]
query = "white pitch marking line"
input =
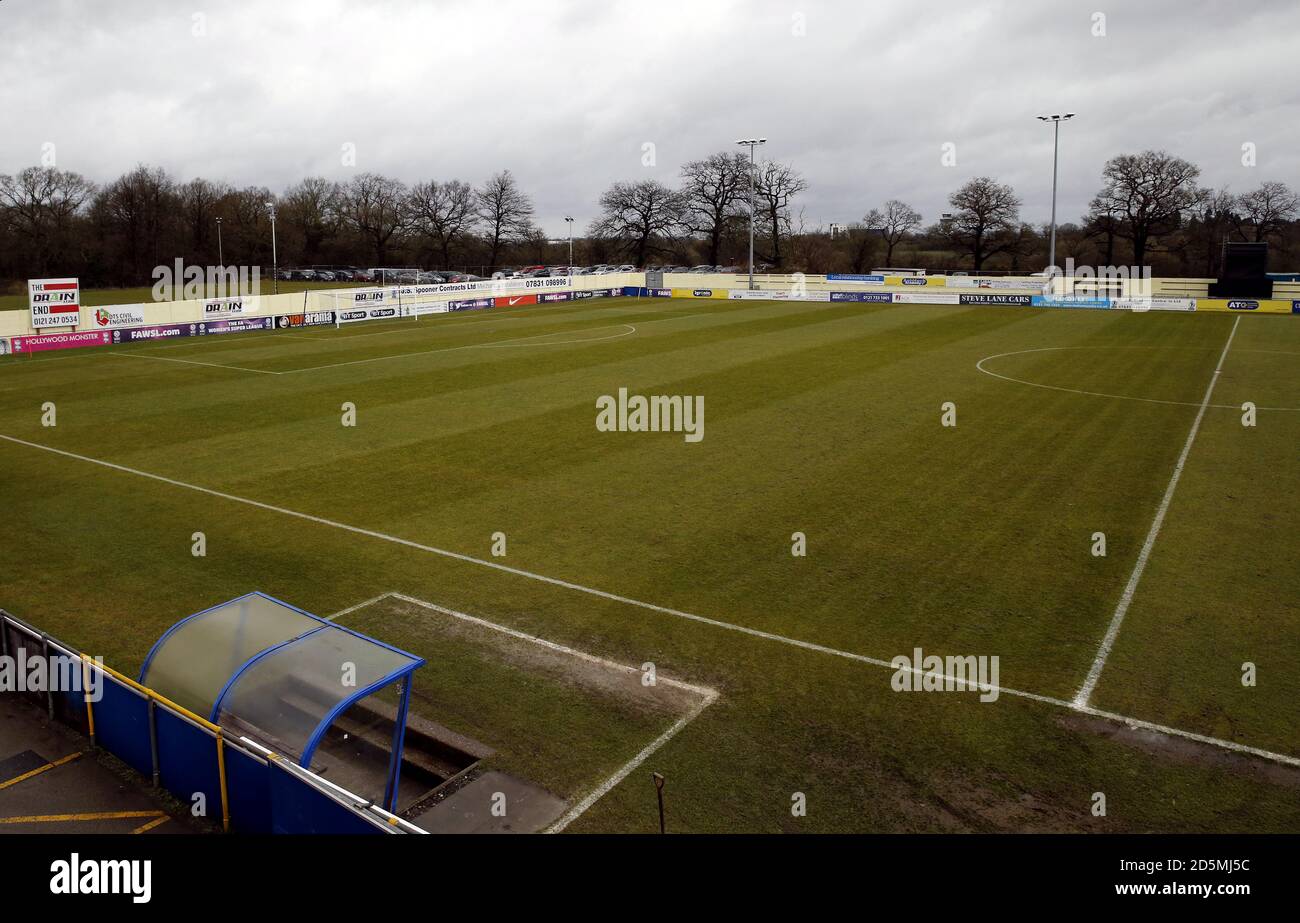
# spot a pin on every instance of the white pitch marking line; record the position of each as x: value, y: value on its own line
x: 511, y: 345
x: 605, y: 787
x: 1123, y: 397
x: 448, y: 349
x: 707, y: 697
x: 361, y: 605
x: 418, y: 327
x: 577, y: 587
x: 214, y: 365
x: 1112, y: 631
x: 704, y: 691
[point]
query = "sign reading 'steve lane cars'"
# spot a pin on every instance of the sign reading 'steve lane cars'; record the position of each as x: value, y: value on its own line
x: 54, y: 302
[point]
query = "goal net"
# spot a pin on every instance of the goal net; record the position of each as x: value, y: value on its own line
x: 352, y: 306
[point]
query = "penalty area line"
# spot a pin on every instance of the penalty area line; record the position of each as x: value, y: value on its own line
x: 706, y: 695
x: 651, y: 607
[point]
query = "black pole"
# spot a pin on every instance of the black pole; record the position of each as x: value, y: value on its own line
x: 659, y: 789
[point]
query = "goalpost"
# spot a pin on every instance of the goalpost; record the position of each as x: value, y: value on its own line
x: 352, y: 306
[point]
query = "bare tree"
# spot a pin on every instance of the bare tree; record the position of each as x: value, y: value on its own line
x: 311, y: 210
x: 1148, y: 192
x: 1211, y: 219
x: 374, y: 207
x: 986, y: 216
x: 775, y: 185
x: 136, y: 213
x: 640, y: 216
x: 862, y: 244
x: 894, y: 222
x: 249, y: 239
x: 711, y: 192
x: 1102, y: 224
x: 1269, y: 209
x: 199, y: 201
x: 39, y: 205
x: 506, y: 212
x: 444, y: 214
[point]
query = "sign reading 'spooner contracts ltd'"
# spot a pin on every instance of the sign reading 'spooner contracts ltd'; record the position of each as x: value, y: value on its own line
x: 54, y: 302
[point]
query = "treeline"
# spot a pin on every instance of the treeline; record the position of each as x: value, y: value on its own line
x: 1150, y: 210
x: 55, y: 222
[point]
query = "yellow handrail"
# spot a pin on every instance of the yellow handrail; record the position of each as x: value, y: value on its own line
x: 216, y: 729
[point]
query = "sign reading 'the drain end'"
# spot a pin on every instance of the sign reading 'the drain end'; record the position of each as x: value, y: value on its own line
x: 54, y: 302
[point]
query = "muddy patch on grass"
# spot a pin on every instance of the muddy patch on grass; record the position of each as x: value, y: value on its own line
x: 1182, y: 750
x: 622, y: 685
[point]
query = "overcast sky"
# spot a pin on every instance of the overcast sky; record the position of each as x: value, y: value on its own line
x: 859, y: 96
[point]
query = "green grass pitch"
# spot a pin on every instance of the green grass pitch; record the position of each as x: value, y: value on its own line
x: 824, y: 419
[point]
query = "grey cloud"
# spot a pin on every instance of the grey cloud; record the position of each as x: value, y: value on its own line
x: 565, y: 93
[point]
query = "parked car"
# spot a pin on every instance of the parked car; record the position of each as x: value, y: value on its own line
x: 626, y: 267
x: 701, y: 268
x: 324, y: 275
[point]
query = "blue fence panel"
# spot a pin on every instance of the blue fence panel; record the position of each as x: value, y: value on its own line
x: 187, y: 761
x: 248, y: 785
x: 122, y: 725
x: 299, y: 808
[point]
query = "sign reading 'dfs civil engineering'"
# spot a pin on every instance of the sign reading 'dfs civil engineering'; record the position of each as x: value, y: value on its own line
x: 119, y: 315
x: 54, y: 302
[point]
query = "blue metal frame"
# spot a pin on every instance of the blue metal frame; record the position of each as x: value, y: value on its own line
x: 357, y: 696
x: 403, y: 674
x: 399, y: 744
x: 216, y: 704
x: 144, y: 669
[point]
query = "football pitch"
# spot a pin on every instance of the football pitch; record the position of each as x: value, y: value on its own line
x: 953, y: 474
